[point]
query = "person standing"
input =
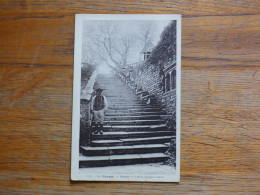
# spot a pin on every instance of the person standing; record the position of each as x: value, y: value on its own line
x: 99, y: 107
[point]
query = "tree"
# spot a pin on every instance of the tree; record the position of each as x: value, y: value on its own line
x: 107, y: 43
x: 90, y: 56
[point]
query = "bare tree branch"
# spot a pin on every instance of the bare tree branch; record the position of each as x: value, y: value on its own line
x: 109, y: 44
x: 113, y: 44
x: 146, y: 32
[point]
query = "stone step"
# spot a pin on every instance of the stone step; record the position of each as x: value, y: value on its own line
x: 135, y: 122
x: 137, y: 113
x: 135, y: 110
x: 106, y: 79
x: 131, y: 141
x: 134, y: 132
x: 125, y: 107
x: 116, y: 117
x: 122, y: 101
x: 110, y: 135
x: 115, y: 87
x: 120, y: 93
x: 116, y: 150
x: 109, y: 77
x: 126, y: 159
x: 148, y: 140
x: 127, y: 128
x: 105, y: 82
x: 115, y: 82
x: 127, y: 104
x: 122, y: 97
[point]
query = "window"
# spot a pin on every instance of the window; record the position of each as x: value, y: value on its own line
x: 167, y: 83
x: 146, y: 55
x: 173, y: 79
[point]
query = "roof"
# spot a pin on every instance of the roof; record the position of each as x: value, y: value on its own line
x: 148, y: 47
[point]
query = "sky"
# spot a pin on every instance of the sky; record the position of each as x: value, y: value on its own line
x: 124, y: 27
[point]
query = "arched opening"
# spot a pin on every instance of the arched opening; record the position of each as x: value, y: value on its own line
x: 167, y: 83
x: 173, y: 79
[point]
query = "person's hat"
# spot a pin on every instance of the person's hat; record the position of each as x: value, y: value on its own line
x: 99, y: 89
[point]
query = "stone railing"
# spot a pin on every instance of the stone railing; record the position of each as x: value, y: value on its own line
x: 86, y: 93
x: 85, y: 98
x: 142, y: 94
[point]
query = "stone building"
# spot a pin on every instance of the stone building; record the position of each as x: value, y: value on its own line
x: 154, y: 77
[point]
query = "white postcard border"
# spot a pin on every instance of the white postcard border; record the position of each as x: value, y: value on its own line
x: 76, y: 175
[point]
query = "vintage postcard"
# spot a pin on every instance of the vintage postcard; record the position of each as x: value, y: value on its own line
x: 126, y: 98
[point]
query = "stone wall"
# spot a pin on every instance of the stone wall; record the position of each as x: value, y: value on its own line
x: 170, y: 101
x: 150, y: 80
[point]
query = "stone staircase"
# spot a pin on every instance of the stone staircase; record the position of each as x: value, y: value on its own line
x: 134, y: 132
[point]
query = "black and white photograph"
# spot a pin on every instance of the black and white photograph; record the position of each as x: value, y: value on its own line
x: 126, y: 98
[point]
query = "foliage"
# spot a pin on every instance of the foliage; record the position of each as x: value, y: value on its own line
x: 166, y: 49
x: 84, y: 132
x: 171, y: 122
x: 171, y: 153
x: 86, y: 72
x: 164, y: 52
